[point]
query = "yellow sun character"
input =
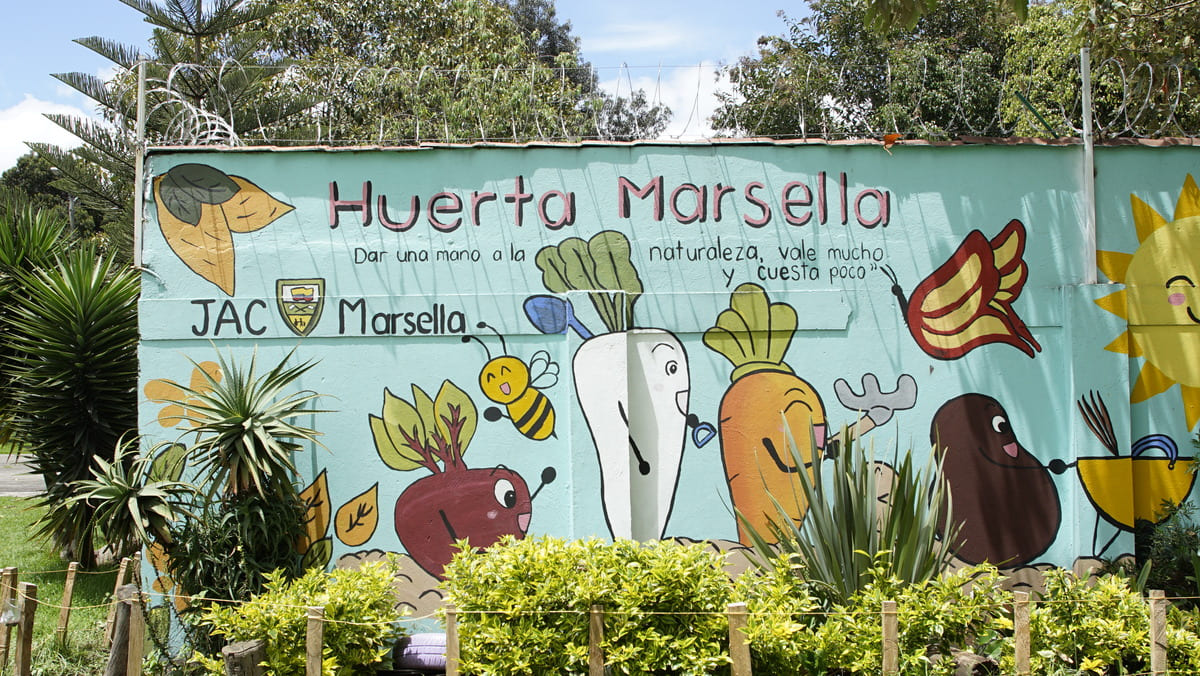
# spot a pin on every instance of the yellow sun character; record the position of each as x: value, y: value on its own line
x: 1160, y: 301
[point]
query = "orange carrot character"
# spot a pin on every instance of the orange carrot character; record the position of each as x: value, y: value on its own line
x: 754, y: 335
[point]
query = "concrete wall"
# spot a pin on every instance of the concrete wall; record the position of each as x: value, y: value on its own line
x: 600, y: 340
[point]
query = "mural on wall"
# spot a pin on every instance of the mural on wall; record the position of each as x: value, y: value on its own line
x: 1160, y: 301
x: 315, y: 544
x: 356, y: 520
x: 200, y: 207
x: 517, y: 387
x: 1107, y: 479
x: 703, y: 295
x: 1002, y: 495
x: 300, y: 303
x: 640, y: 454
x: 767, y: 406
x: 967, y: 302
x: 454, y: 503
x: 163, y: 391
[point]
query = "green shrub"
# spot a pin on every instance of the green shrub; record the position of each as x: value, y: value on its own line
x: 965, y: 610
x: 524, y: 606
x: 360, y: 614
x: 1100, y: 625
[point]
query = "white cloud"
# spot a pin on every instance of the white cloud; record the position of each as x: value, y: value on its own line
x: 689, y: 91
x: 636, y: 37
x: 25, y: 121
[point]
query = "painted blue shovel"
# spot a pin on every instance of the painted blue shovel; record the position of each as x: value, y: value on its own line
x: 551, y: 314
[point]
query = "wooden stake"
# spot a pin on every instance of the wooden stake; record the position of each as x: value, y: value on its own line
x: 1158, y: 632
x: 8, y: 591
x: 64, y: 613
x: 118, y: 656
x: 244, y: 658
x: 1021, y: 631
x: 109, y: 625
x: 451, y: 640
x: 739, y: 643
x: 29, y: 604
x: 314, y: 639
x: 137, y: 635
x: 891, y: 639
x: 595, y: 638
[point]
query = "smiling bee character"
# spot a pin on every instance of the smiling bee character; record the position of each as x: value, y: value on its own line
x: 508, y: 381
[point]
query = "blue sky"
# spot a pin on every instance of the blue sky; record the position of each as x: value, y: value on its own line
x: 661, y: 41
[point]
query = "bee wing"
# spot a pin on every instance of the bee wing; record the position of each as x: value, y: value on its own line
x: 543, y: 371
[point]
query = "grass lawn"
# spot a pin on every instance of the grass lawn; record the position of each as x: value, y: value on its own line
x: 37, y: 563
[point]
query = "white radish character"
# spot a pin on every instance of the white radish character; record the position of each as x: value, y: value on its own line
x: 632, y: 383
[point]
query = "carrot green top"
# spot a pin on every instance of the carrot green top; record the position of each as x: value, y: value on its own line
x: 753, y: 333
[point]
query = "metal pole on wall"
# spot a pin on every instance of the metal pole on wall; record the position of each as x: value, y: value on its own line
x: 1089, y: 168
x: 138, y: 165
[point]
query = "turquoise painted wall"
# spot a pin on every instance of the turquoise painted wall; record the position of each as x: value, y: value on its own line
x: 1001, y: 337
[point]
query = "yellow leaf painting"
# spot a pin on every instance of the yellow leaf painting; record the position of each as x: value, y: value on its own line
x: 356, y: 520
x: 316, y: 513
x: 206, y: 246
x: 165, y: 391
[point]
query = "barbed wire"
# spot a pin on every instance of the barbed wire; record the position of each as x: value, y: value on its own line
x: 933, y: 98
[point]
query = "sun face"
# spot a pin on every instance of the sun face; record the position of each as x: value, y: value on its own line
x: 1161, y: 299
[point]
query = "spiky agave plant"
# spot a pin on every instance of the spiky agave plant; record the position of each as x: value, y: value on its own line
x: 850, y: 530
x: 134, y: 505
x: 73, y: 333
x: 244, y: 426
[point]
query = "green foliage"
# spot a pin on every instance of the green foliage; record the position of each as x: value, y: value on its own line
x: 1171, y: 549
x: 132, y: 507
x: 33, y: 178
x: 828, y: 76
x: 408, y: 70
x: 848, y: 533
x: 965, y: 610
x: 225, y: 549
x: 74, y: 333
x: 207, y: 81
x: 31, y: 238
x: 523, y: 606
x: 361, y: 620
x: 244, y: 426
x: 885, y: 15
x: 1097, y: 626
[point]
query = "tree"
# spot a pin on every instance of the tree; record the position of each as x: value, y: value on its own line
x: 885, y: 15
x: 1142, y: 84
x: 613, y: 118
x: 829, y: 76
x: 206, y: 82
x: 35, y: 178
x: 412, y: 70
x: 627, y: 119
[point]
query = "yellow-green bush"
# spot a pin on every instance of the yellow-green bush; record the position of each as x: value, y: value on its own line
x: 360, y: 614
x: 523, y: 606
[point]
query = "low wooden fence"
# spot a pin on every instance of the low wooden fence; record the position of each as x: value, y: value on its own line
x: 126, y: 631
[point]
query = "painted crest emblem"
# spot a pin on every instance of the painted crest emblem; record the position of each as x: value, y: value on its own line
x: 300, y: 302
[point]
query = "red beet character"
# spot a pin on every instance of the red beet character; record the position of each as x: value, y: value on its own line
x: 456, y: 503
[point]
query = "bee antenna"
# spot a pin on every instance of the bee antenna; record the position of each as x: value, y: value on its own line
x: 468, y: 338
x: 503, y: 345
